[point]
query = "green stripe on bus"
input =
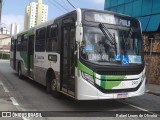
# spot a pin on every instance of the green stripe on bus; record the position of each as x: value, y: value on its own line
x: 84, y: 69
x: 104, y: 84
x: 23, y: 54
x: 109, y: 84
x: 112, y: 77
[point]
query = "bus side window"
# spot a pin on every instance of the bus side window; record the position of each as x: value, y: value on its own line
x: 12, y: 44
x: 31, y: 38
x: 40, y: 42
x: 24, y: 42
x: 19, y: 43
x: 51, y: 42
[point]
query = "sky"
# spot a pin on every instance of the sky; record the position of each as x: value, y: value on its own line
x: 13, y: 10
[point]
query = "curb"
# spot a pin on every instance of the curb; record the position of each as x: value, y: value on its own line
x: 154, y: 93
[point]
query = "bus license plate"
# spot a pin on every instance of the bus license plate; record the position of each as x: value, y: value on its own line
x: 122, y: 95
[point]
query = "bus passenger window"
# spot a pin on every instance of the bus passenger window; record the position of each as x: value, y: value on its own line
x: 51, y: 42
x: 12, y: 44
x: 40, y: 40
x: 24, y: 40
x: 19, y: 43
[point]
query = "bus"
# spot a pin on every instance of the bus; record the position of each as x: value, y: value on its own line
x: 85, y: 54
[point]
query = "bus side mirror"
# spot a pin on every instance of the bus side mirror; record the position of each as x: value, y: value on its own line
x: 76, y: 53
x: 79, y: 33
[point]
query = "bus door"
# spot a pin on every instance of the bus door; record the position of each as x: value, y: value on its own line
x: 68, y: 60
x: 14, y: 53
x: 30, y: 53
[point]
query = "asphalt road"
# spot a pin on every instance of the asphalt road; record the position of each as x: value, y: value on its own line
x: 32, y: 96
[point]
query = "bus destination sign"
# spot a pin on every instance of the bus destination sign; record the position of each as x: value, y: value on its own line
x: 108, y: 18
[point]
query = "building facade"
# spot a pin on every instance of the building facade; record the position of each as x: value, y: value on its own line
x: 3, y: 30
x: 14, y: 29
x: 5, y: 42
x: 35, y: 13
x: 148, y: 12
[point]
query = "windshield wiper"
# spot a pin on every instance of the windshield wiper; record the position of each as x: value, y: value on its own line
x: 108, y: 35
x: 129, y: 35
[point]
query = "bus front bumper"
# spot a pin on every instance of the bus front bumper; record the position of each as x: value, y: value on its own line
x: 86, y: 91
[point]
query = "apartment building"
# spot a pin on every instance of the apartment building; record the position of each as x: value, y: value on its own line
x: 35, y: 13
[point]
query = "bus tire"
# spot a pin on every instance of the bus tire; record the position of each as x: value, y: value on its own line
x: 20, y: 71
x: 52, y: 84
x: 54, y: 91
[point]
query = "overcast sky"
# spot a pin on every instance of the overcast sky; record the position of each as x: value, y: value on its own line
x: 13, y: 10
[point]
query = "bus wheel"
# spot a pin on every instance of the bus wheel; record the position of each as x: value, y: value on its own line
x: 54, y: 91
x: 20, y: 72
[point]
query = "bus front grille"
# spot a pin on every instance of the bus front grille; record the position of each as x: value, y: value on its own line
x: 119, y: 72
x: 119, y: 90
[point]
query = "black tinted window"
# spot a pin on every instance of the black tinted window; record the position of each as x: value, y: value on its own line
x: 51, y: 43
x: 40, y: 40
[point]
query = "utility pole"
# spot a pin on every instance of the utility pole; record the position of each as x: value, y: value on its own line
x: 151, y: 40
x: 150, y: 57
x: 0, y: 10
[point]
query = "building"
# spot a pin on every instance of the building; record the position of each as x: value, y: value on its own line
x: 5, y: 42
x: 14, y: 29
x: 35, y: 13
x: 3, y: 30
x: 148, y: 12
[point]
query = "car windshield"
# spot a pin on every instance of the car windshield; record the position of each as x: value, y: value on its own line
x: 97, y: 48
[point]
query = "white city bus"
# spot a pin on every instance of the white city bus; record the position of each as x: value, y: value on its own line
x: 85, y: 54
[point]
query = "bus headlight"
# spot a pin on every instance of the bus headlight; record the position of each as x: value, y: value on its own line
x: 87, y: 77
x: 143, y: 77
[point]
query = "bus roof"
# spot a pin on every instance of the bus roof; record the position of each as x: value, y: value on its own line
x: 44, y: 24
x: 29, y: 32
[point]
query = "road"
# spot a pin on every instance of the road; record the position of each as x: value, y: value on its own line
x: 32, y: 96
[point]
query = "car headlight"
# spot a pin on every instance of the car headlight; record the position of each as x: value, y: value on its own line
x: 87, y: 77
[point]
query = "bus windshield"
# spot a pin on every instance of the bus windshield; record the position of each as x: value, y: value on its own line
x: 97, y: 48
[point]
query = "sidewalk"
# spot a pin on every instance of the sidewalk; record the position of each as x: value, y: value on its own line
x: 153, y: 89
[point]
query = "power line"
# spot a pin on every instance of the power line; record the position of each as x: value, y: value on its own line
x: 50, y: 1
x: 60, y: 4
x: 65, y: 4
x: 71, y: 4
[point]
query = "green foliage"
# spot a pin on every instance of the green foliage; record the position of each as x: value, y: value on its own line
x: 4, y: 55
